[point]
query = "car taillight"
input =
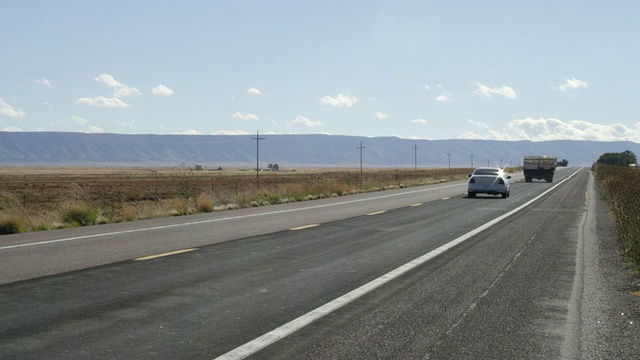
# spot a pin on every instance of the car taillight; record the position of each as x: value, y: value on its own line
x: 501, y: 181
x: 472, y: 181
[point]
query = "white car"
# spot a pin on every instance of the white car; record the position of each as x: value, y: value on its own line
x: 489, y: 180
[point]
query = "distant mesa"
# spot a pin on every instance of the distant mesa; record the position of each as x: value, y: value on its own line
x: 282, y: 151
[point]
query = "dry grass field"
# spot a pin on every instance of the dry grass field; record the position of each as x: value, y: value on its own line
x: 42, y: 198
x: 619, y: 187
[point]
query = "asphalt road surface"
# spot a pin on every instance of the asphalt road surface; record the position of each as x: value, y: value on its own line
x: 418, y: 273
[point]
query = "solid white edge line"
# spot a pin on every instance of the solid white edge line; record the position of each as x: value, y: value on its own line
x: 46, y: 242
x: 271, y: 337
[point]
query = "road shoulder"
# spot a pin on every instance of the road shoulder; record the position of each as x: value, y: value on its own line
x: 616, y: 319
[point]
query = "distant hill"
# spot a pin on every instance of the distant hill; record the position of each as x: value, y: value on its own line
x: 81, y: 149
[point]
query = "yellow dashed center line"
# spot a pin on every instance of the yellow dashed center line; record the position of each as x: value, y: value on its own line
x: 377, y: 212
x: 165, y: 254
x: 304, y: 227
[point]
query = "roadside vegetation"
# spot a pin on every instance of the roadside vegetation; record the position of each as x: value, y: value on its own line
x: 39, y: 200
x: 618, y: 177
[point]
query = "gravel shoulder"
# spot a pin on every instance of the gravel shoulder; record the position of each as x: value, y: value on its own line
x: 610, y: 321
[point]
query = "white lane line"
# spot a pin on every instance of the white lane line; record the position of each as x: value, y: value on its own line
x: 271, y: 337
x: 303, y: 227
x: 46, y: 242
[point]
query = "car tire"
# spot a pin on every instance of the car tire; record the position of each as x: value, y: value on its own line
x: 471, y: 194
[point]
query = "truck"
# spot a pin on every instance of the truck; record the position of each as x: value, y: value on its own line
x: 539, y: 167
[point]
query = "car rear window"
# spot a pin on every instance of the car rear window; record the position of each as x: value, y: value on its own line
x: 485, y: 172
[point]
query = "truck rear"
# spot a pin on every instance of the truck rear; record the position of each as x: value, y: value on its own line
x: 539, y: 167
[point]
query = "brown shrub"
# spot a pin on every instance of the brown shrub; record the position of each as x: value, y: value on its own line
x: 619, y: 186
x: 129, y: 213
x: 180, y: 206
x: 12, y: 224
x: 204, y: 203
x: 80, y: 214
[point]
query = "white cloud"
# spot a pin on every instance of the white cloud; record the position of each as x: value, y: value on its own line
x: 126, y: 92
x: 162, y: 90
x: 444, y: 98
x: 339, y: 101
x: 231, y: 132
x: 381, y: 116
x: 490, y: 134
x: 131, y: 124
x: 8, y: 110
x: 544, y: 129
x: 246, y: 117
x: 78, y: 120
x: 94, y: 129
x: 12, y: 129
x: 302, y: 121
x: 419, y: 121
x: 573, y: 83
x: 505, y: 91
x: 109, y: 80
x: 84, y: 124
x: 254, y: 91
x: 44, y: 82
x: 102, y: 101
x: 121, y: 90
x: 190, y: 132
x: 430, y: 87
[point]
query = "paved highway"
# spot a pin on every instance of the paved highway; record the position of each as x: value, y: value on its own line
x: 411, y: 273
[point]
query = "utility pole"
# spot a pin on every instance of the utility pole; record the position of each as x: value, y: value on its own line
x: 257, y: 139
x: 415, y: 155
x: 361, y: 147
x: 449, y: 155
x: 472, y: 160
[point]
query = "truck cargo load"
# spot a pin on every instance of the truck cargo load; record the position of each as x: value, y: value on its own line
x: 539, y: 167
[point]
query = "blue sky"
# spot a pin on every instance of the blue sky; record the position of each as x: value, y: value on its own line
x: 506, y: 70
